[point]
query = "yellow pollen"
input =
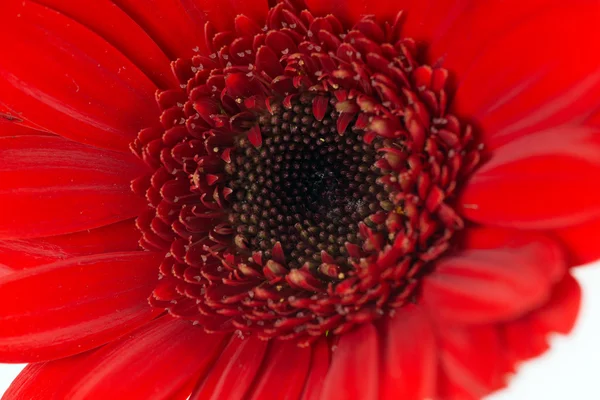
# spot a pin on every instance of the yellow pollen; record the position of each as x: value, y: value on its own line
x: 196, y: 179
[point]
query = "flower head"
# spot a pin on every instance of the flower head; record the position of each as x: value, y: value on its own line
x: 290, y: 199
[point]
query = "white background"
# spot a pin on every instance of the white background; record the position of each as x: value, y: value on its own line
x: 569, y: 371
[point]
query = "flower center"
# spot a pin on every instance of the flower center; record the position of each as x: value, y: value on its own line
x: 304, y: 177
x: 307, y: 186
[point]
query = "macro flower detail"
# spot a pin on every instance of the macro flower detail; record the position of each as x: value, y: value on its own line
x: 292, y: 199
x: 300, y: 188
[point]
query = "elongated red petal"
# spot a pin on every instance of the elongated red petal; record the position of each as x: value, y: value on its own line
x: 239, y: 362
x: 319, y: 366
x: 27, y: 253
x: 581, y: 242
x: 9, y: 128
x: 543, y: 180
x: 85, y: 89
x: 52, y: 186
x: 527, y: 337
x: 156, y: 361
x: 410, y: 364
x: 560, y: 313
x: 490, y: 238
x: 123, y: 33
x: 427, y: 21
x: 475, y: 360
x: 488, y: 285
x: 285, y: 369
x: 350, y: 11
x: 354, y: 371
x: 168, y: 23
x: 178, y: 25
x: 71, y: 306
x: 222, y: 13
x: 515, y: 83
x: 472, y: 362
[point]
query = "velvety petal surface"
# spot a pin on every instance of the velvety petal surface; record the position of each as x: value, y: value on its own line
x: 52, y: 186
x: 156, y: 361
x: 488, y: 285
x: 581, y: 242
x: 319, y: 366
x: 543, y: 180
x: 233, y: 374
x: 527, y: 337
x: 350, y: 11
x: 26, y: 253
x: 472, y: 362
x: 476, y: 360
x: 409, y: 357
x: 178, y: 26
x: 110, y: 22
x: 72, y: 306
x: 283, y: 373
x: 354, y: 371
x: 10, y: 128
x: 167, y: 23
x: 64, y: 77
x: 521, y: 74
x: 222, y: 13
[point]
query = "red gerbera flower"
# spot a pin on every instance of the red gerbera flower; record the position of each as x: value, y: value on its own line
x: 332, y: 200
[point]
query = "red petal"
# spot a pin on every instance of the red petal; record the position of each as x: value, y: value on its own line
x: 525, y: 74
x: 67, y: 79
x: 476, y: 360
x: 483, y: 286
x: 123, y: 33
x: 409, y: 366
x: 354, y: 371
x: 560, y: 313
x: 528, y: 336
x: 485, y: 237
x: 173, y: 25
x: 540, y: 181
x: 581, y: 242
x: 52, y: 186
x: 27, y: 253
x: 10, y: 128
x: 239, y: 86
x: 350, y: 11
x: 223, y: 12
x: 267, y: 61
x: 320, y: 104
x: 178, y: 25
x: 319, y: 366
x: 427, y: 21
x: 71, y: 306
x: 284, y: 372
x: 235, y: 370
x: 255, y: 136
x: 473, y: 362
x: 157, y: 361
